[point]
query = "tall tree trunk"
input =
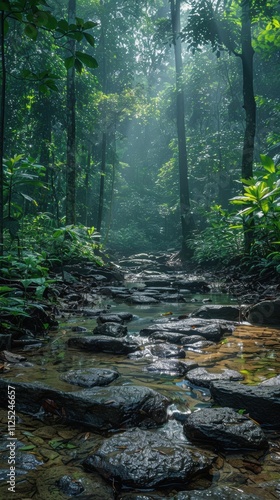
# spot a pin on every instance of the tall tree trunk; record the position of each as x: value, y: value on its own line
x: 45, y: 135
x: 247, y: 56
x: 71, y: 128
x: 2, y: 127
x: 102, y: 181
x: 104, y: 141
x: 186, y: 216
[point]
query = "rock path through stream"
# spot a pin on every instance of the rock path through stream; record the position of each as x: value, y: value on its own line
x: 154, y: 386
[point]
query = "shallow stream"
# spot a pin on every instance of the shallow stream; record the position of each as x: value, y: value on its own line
x: 253, y: 351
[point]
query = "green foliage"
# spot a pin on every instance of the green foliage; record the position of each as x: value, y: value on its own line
x: 71, y: 242
x: 219, y: 242
x: 261, y: 200
x: 30, y: 266
x: 20, y: 173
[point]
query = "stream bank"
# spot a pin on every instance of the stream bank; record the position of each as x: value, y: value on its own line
x: 162, y: 363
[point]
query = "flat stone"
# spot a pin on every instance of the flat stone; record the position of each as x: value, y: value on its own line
x: 111, y: 330
x: 201, y: 377
x: 101, y: 409
x: 225, y: 429
x: 171, y: 366
x: 228, y: 313
x: 208, y: 329
x: 260, y: 401
x: 145, y: 459
x: 103, y: 343
x: 90, y: 377
x: 175, y: 337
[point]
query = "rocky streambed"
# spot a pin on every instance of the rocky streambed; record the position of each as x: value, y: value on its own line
x: 155, y: 387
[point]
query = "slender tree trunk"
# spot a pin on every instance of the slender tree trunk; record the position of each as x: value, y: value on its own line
x: 186, y: 216
x: 102, y: 181
x: 114, y: 161
x: 2, y: 128
x: 247, y: 56
x: 71, y: 129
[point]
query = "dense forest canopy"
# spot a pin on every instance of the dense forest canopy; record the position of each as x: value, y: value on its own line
x: 140, y: 126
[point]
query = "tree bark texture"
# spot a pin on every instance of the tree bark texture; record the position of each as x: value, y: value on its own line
x: 249, y: 105
x: 185, y: 212
x: 71, y: 128
x: 102, y: 181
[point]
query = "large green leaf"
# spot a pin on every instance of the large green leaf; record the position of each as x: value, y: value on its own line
x: 31, y: 31
x: 87, y: 60
x: 69, y: 62
x: 268, y: 163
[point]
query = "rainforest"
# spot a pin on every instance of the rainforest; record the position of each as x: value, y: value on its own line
x: 139, y: 249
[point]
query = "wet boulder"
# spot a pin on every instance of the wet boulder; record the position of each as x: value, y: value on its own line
x: 197, y: 346
x: 208, y: 329
x: 171, y: 367
x: 175, y: 337
x: 109, y: 318
x: 167, y: 351
x: 261, y: 402
x: 111, y: 330
x: 101, y: 408
x: 103, y: 343
x: 228, y: 313
x: 120, y: 317
x: 90, y: 377
x: 224, y: 428
x: 145, y: 459
x: 266, y: 312
x: 203, y: 378
x: 158, y: 351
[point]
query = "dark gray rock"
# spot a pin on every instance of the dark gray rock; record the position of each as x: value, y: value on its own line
x: 261, y: 402
x: 90, y: 377
x: 167, y: 351
x: 175, y: 337
x: 98, y: 408
x: 172, y: 297
x: 171, y: 367
x: 266, y: 312
x: 111, y: 330
x: 201, y: 377
x: 68, y: 486
x: 197, y: 346
x: 208, y: 329
x: 113, y: 291
x: 228, y: 313
x: 145, y: 459
x: 192, y: 285
x: 102, y: 343
x: 109, y: 318
x: 92, y: 312
x: 225, y: 429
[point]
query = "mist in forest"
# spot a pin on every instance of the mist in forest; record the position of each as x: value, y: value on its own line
x: 144, y: 116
